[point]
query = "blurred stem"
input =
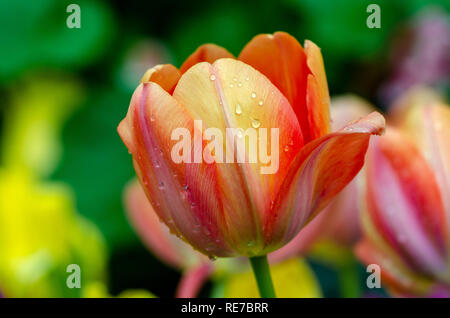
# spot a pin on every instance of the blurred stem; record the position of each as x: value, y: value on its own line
x: 261, y: 269
x: 349, y: 280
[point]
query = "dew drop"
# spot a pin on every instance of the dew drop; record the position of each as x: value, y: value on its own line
x: 247, y: 79
x: 231, y: 85
x: 240, y: 84
x: 260, y: 103
x: 238, y: 109
x: 255, y: 123
x: 161, y: 185
x: 253, y: 95
x: 235, y: 79
x: 286, y: 148
x: 239, y: 133
x: 212, y: 77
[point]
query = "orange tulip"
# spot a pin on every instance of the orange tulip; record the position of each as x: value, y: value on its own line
x: 407, y: 204
x: 232, y: 209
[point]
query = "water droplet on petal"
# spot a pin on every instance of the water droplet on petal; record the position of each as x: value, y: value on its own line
x: 255, y: 123
x: 240, y: 84
x: 231, y: 85
x: 247, y: 79
x: 161, y: 185
x: 239, y: 133
x: 253, y: 95
x: 286, y: 148
x: 238, y: 109
x: 212, y: 77
x: 260, y: 103
x: 235, y: 79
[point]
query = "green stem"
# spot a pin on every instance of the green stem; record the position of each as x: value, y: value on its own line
x: 262, y: 275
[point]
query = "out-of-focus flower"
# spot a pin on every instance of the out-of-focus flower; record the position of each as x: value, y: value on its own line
x: 339, y: 221
x: 166, y: 246
x: 41, y: 235
x: 138, y: 57
x: 232, y: 209
x: 407, y: 203
x: 39, y: 107
x: 40, y: 232
x: 421, y: 55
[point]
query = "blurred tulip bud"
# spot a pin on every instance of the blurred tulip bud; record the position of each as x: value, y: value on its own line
x: 406, y: 219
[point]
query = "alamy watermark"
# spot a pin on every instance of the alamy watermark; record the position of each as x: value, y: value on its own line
x: 73, y: 21
x: 374, y: 19
x: 235, y: 146
x: 374, y: 279
x: 74, y: 279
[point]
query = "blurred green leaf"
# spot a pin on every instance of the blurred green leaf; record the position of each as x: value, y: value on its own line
x: 35, y: 35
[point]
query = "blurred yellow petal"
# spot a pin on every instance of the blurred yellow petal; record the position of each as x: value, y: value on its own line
x: 39, y: 107
x: 40, y: 235
x: 292, y: 279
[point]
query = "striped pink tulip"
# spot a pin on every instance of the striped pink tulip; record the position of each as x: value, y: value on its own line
x: 407, y: 213
x: 231, y: 209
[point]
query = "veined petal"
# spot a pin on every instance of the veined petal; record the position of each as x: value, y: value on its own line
x: 152, y: 117
x: 298, y: 73
x: 321, y: 169
x: 339, y: 221
x: 205, y: 53
x: 165, y: 75
x: 231, y: 94
x: 404, y: 203
x: 155, y: 233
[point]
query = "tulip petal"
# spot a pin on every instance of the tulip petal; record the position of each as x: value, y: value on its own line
x: 165, y: 75
x: 152, y: 116
x: 205, y: 53
x: 394, y: 274
x: 404, y: 203
x: 282, y: 59
x: 317, y: 97
x: 320, y: 170
x: 154, y: 233
x: 423, y: 116
x: 193, y: 280
x: 211, y: 93
x: 299, y: 74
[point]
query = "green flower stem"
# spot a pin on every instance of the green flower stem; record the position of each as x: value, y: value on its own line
x: 261, y: 270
